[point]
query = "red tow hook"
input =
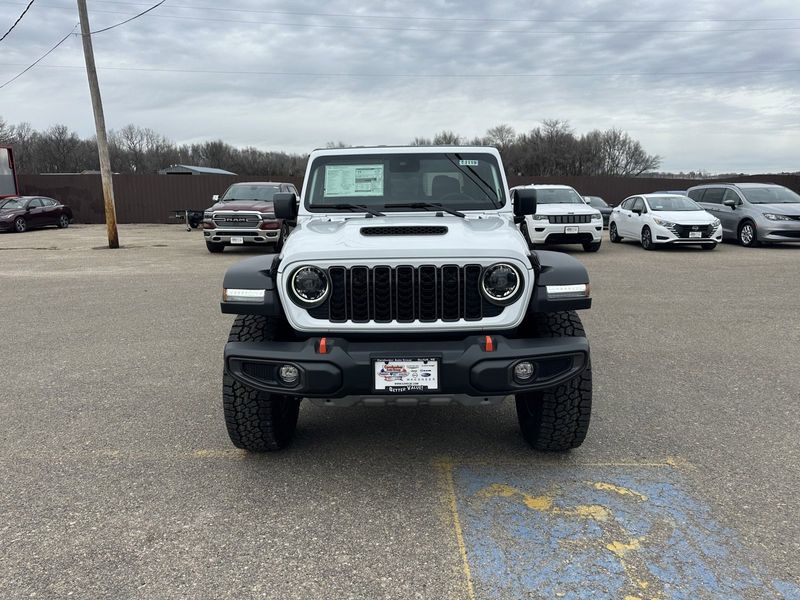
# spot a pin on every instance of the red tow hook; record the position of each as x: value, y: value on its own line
x: 488, y: 344
x: 323, y: 346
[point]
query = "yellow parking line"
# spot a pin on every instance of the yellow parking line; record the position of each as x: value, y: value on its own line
x: 446, y: 469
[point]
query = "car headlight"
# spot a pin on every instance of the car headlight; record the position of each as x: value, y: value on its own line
x: 208, y: 215
x: 715, y: 223
x: 243, y: 295
x: 501, y: 283
x: 309, y: 286
x: 540, y: 217
x: 775, y: 217
x: 7, y: 217
x: 596, y: 216
x: 267, y: 216
x: 663, y: 223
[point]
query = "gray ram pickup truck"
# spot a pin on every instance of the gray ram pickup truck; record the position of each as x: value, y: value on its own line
x: 406, y: 281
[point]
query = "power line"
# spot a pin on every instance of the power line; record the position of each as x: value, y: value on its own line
x: 19, y: 18
x: 455, y: 19
x: 431, y: 75
x: 144, y: 12
x: 38, y: 60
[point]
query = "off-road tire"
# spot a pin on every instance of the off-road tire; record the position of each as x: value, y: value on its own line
x: 647, y: 239
x: 708, y: 246
x: 591, y: 246
x: 63, y: 222
x: 613, y: 235
x: 20, y: 225
x: 743, y: 239
x: 556, y: 419
x: 257, y: 421
x: 215, y: 247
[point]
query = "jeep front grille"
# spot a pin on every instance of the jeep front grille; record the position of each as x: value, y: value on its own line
x: 557, y: 219
x: 405, y: 294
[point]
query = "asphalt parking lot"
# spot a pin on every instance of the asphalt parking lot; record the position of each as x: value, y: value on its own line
x: 118, y: 480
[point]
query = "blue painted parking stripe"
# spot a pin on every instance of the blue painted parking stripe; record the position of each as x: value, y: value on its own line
x: 601, y: 532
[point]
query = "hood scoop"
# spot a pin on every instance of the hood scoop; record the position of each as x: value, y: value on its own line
x: 405, y: 230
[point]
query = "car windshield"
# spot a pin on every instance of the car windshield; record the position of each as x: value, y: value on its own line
x: 10, y: 205
x: 244, y: 191
x: 557, y: 196
x: 596, y: 201
x: 770, y: 195
x: 672, y: 203
x: 395, y: 182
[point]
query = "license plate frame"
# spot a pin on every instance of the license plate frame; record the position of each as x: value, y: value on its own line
x: 237, y: 240
x: 406, y: 375
x: 695, y: 234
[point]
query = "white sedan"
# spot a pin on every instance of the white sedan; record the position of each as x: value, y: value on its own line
x: 664, y: 219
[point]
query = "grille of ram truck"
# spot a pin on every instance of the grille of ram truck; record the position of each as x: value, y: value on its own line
x: 405, y: 294
x: 237, y: 220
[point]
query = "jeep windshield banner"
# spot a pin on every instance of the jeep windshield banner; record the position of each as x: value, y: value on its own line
x: 8, y: 183
x: 353, y: 180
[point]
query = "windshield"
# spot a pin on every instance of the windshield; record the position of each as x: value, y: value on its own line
x: 675, y: 203
x: 596, y: 201
x: 9, y: 205
x: 245, y: 191
x: 457, y: 181
x: 557, y: 196
x: 770, y: 195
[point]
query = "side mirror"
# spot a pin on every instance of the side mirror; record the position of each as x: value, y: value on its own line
x: 215, y: 198
x: 285, y: 205
x: 638, y: 211
x: 524, y: 201
x: 731, y: 203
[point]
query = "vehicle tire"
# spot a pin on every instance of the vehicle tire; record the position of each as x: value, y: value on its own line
x: 647, y: 239
x: 215, y: 247
x: 592, y: 246
x: 557, y: 419
x: 748, y: 236
x: 613, y: 235
x: 20, y: 225
x: 257, y: 421
x: 523, y: 227
x: 708, y: 246
x: 63, y: 222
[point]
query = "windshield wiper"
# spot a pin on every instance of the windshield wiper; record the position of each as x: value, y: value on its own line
x: 427, y: 206
x: 361, y: 207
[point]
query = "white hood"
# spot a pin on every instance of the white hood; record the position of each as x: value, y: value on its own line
x: 684, y: 217
x: 320, y: 239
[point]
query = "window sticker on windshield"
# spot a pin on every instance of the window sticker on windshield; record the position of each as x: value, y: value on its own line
x: 468, y: 163
x: 353, y: 180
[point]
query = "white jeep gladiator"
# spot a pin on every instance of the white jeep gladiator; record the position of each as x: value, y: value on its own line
x: 406, y: 281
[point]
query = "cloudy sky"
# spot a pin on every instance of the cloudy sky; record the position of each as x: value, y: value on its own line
x: 709, y: 85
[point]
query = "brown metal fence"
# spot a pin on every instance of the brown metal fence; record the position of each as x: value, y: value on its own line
x: 152, y: 198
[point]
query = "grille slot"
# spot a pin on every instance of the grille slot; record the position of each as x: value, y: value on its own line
x: 682, y: 231
x: 405, y: 230
x: 405, y: 294
x: 558, y: 219
x: 237, y: 221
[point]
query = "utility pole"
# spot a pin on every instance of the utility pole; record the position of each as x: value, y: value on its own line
x: 100, y: 126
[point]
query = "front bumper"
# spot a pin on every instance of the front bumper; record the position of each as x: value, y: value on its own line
x: 466, y: 369
x: 249, y: 236
x: 662, y: 235
x: 543, y: 232
x: 779, y: 231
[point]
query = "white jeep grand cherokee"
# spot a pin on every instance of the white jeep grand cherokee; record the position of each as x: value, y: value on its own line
x: 406, y: 281
x: 562, y: 217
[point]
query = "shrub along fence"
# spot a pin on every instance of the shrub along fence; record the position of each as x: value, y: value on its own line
x: 153, y: 198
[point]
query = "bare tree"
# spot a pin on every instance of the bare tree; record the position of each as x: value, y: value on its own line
x: 446, y: 138
x: 501, y: 136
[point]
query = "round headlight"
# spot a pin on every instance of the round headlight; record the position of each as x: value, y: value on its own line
x: 309, y: 285
x: 500, y: 283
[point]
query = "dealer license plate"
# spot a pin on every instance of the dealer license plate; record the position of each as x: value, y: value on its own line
x: 406, y: 375
x: 237, y: 240
x: 573, y: 229
x: 695, y: 234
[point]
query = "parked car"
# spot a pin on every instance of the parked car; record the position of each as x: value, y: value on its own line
x: 752, y: 212
x: 664, y: 219
x: 672, y: 192
x: 245, y: 215
x: 601, y: 205
x: 562, y: 217
x: 20, y: 213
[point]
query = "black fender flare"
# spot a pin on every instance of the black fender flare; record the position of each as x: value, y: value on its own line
x: 256, y: 273
x: 556, y: 268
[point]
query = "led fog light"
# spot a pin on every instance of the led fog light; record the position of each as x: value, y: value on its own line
x: 523, y: 371
x: 288, y: 374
